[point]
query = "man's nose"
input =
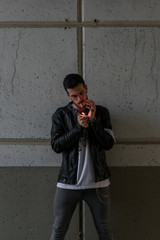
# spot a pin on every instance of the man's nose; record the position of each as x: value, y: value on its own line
x: 79, y: 98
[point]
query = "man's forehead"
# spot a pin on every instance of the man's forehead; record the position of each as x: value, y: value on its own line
x: 76, y: 89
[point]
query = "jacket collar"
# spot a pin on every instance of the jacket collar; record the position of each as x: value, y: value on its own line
x: 69, y: 105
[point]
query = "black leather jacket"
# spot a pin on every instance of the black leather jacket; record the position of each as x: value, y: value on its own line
x: 65, y: 134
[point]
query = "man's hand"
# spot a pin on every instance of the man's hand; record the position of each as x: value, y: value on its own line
x: 83, y: 120
x: 92, y: 110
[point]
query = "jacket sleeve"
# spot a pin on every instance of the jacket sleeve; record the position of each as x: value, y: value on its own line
x: 101, y: 129
x: 61, y: 139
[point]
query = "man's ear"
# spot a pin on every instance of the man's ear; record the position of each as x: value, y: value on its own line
x: 68, y: 95
x: 86, y: 87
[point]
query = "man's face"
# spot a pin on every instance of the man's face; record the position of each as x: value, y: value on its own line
x: 78, y: 95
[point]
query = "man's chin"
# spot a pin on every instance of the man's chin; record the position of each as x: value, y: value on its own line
x: 81, y: 105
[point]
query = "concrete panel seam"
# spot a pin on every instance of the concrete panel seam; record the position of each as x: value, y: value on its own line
x: 24, y: 141
x: 79, y: 10
x: 77, y: 24
x: 79, y: 38
x: 16, y: 57
x: 40, y: 141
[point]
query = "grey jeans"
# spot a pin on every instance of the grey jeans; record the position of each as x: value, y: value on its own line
x: 65, y: 203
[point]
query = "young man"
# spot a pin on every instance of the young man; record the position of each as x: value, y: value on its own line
x: 81, y: 131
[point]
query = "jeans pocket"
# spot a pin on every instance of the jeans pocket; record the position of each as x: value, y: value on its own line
x: 103, y: 194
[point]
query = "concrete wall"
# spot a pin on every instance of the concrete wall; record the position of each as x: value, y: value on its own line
x: 115, y: 45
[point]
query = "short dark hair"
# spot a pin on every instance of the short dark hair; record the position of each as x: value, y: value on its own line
x: 72, y: 80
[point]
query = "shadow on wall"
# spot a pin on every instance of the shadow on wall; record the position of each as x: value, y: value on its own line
x: 135, y: 198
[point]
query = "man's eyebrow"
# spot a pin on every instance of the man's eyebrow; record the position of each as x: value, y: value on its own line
x: 73, y: 95
x: 82, y: 91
